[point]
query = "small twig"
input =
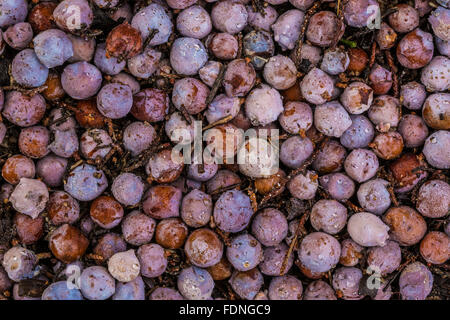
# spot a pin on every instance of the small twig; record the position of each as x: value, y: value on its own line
x: 373, y: 54
x: 101, y: 147
x: 216, y: 85
x: 170, y: 75
x: 340, y: 15
x: 152, y: 33
x: 252, y: 197
x: 114, y: 149
x: 60, y: 120
x: 93, y: 256
x: 28, y: 92
x: 185, y: 114
x: 92, y: 33
x: 110, y: 125
x: 223, y: 189
x: 66, y: 106
x: 360, y: 33
x: 240, y: 45
x: 355, y: 79
x: 43, y: 255
x: 298, y: 48
x: 218, y: 122
x: 284, y: 136
x: 342, y: 85
x: 353, y: 207
x: 146, y: 155
x: 338, y: 8
x: 388, y: 12
x: 299, y: 231
x: 393, y: 68
x: 225, y: 236
x: 392, y: 194
x: 142, y: 161
x: 76, y: 164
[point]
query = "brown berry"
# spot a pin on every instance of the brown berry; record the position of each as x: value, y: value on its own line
x: 34, y: 141
x: 416, y: 49
x: 106, y: 212
x: 16, y: 167
x: 314, y: 135
x: 54, y: 89
x: 388, y: 145
x: 171, y: 233
x: 272, y: 183
x: 407, y: 226
x: 28, y: 230
x: 88, y: 115
x: 435, y: 247
x: 436, y: 112
x: 358, y: 60
x: 62, y: 208
x: 386, y: 36
x: 124, y: 42
x: 293, y: 93
x: 407, y: 172
x: 68, y: 244
x: 41, y: 16
x: 108, y: 245
x: 150, y: 105
x: 380, y: 80
x: 351, y: 253
x: 162, y: 201
x: 221, y: 270
x: 203, y: 248
x: 162, y: 168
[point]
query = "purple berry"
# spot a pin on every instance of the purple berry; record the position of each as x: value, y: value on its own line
x: 73, y: 15
x: 53, y: 47
x: 346, y: 281
x: 194, y: 22
x: 319, y: 290
x: 195, y: 283
x: 317, y: 87
x: 27, y: 70
x: 229, y: 16
x: 128, y: 189
x: 138, y: 228
x: 285, y: 288
x: 247, y: 284
x: 270, y: 227
x: 152, y: 259
x: 416, y: 282
x: 96, y: 283
x: 196, y: 208
x: 319, y: 252
x: 85, y: 183
x: 187, y: 55
x: 232, y: 211
x: 19, y: 35
x: 328, y: 216
x: 153, y: 17
x: 81, y: 80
